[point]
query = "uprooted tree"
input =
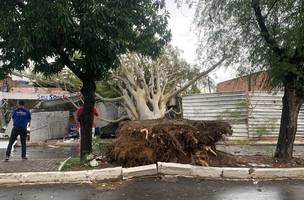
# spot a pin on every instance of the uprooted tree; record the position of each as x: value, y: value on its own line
x: 183, y: 141
x: 85, y: 36
x: 264, y: 34
x: 142, y: 85
x: 148, y: 85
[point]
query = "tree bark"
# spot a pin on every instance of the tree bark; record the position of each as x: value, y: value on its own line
x: 289, y: 121
x: 86, y: 117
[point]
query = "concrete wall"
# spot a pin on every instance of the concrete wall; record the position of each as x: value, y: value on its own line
x: 49, y: 125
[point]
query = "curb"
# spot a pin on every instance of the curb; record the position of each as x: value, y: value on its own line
x: 133, y: 172
x: 161, y: 168
x: 88, y: 176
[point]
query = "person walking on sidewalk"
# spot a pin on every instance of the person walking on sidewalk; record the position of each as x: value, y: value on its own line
x: 21, y: 118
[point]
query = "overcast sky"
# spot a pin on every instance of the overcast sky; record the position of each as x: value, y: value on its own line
x: 183, y: 37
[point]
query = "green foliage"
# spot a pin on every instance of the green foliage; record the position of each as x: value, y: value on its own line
x: 96, y: 146
x: 65, y: 79
x: 234, y: 26
x: 106, y: 89
x: 86, y: 36
x: 72, y: 162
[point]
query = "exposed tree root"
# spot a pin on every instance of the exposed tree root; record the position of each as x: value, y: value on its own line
x: 183, y: 141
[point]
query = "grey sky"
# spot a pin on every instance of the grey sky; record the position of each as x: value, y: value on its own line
x: 184, y: 38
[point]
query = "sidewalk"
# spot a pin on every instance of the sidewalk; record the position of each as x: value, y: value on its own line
x: 48, y: 157
x: 41, y: 158
x: 38, y: 165
x: 44, y: 161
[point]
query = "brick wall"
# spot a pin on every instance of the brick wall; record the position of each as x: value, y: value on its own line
x: 254, y: 82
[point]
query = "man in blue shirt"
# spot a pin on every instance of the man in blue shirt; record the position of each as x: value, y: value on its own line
x: 21, y: 117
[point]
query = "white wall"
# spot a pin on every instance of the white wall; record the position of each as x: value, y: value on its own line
x: 49, y: 125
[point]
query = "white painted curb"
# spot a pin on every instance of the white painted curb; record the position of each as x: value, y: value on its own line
x: 174, y: 169
x: 105, y: 174
x: 61, y: 177
x: 236, y: 173
x: 230, y: 173
x: 207, y: 172
x: 146, y: 170
x: 162, y: 168
x: 278, y: 173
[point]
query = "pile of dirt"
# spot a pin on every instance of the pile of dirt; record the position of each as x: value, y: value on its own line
x: 181, y: 141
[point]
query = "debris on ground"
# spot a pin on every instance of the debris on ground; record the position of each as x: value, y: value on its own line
x: 181, y: 141
x: 94, y: 163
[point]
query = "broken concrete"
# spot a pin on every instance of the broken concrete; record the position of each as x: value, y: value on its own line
x: 174, y: 169
x: 146, y: 170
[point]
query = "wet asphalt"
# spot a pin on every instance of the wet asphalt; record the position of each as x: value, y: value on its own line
x: 44, y: 152
x: 155, y: 188
x: 161, y: 189
x: 55, y: 152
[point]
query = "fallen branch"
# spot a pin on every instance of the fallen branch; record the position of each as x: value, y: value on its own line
x: 114, y: 120
x: 108, y: 99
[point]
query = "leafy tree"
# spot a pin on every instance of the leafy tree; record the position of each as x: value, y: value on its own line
x: 85, y: 36
x: 261, y: 34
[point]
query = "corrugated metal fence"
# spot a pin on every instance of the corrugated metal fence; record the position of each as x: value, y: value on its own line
x: 250, y: 114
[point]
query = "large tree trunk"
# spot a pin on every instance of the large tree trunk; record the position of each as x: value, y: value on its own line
x: 145, y: 112
x: 289, y: 121
x: 86, y: 117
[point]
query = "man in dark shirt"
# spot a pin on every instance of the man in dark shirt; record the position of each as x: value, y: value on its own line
x: 21, y: 117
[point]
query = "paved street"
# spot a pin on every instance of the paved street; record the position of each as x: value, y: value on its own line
x: 156, y: 189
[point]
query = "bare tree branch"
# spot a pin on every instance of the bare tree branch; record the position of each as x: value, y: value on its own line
x: 152, y: 79
x: 271, y: 7
x: 47, y: 82
x: 67, y: 99
x: 127, y: 83
x: 128, y: 102
x: 129, y: 77
x: 114, y: 120
x: 141, y: 76
x: 108, y: 99
x: 170, y: 82
x: 158, y: 86
x: 200, y: 75
x: 264, y: 30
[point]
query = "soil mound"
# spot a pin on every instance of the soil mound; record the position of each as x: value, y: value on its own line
x: 182, y: 141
